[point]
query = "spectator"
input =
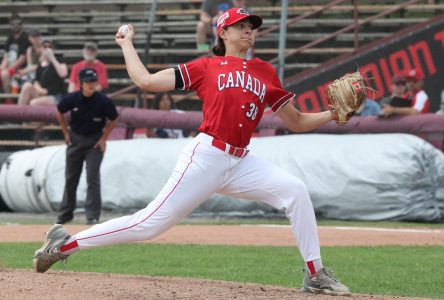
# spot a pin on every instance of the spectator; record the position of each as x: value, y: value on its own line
x: 14, y: 57
x: 368, y: 108
x: 419, y: 99
x: 89, y: 60
x: 32, y: 56
x: 164, y: 101
x: 398, y: 89
x: 48, y: 86
x: 209, y: 10
x: 86, y: 141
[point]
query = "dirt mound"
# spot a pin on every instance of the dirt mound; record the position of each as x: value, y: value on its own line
x: 25, y: 284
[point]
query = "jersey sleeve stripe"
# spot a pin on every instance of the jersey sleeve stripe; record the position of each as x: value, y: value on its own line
x: 188, y: 75
x: 181, y: 75
x: 288, y: 100
x: 278, y: 104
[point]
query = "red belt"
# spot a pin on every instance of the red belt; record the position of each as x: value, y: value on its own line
x: 227, y: 148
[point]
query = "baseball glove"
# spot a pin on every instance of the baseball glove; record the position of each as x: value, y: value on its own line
x: 345, y: 95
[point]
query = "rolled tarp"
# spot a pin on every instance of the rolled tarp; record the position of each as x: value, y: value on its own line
x: 349, y: 177
x: 3, y: 157
x: 23, y: 179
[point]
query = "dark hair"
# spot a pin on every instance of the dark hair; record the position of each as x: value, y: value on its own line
x: 219, y: 49
x: 34, y: 32
x: 159, y: 97
x: 15, y: 16
x: 47, y: 40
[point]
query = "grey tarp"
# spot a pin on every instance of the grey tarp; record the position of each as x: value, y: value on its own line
x: 350, y: 177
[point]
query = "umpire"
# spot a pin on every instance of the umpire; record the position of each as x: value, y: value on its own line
x: 93, y: 117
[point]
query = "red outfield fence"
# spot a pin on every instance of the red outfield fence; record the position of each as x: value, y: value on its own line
x: 428, y: 126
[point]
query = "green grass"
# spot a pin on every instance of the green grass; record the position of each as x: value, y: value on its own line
x: 396, y: 270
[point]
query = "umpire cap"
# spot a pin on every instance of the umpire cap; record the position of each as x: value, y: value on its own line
x: 88, y: 75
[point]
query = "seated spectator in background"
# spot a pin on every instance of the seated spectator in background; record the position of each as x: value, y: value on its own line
x: 89, y: 61
x: 209, y: 10
x: 14, y: 57
x: 48, y: 86
x: 32, y: 56
x: 419, y: 100
x: 368, y: 108
x: 164, y: 101
x: 398, y: 89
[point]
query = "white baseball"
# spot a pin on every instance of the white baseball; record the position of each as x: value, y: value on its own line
x: 124, y: 29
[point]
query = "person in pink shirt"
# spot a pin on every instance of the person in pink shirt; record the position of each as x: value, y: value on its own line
x: 89, y: 60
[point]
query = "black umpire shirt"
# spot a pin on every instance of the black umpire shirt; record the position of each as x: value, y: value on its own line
x: 88, y: 114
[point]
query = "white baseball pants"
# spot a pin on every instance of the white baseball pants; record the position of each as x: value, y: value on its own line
x: 202, y: 170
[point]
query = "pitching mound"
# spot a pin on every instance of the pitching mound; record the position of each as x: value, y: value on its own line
x: 25, y: 284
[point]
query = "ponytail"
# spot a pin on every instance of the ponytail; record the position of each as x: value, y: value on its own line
x: 219, y: 49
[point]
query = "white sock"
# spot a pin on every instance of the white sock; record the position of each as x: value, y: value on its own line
x: 314, y: 266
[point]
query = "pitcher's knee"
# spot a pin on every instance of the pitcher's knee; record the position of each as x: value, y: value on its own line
x: 295, y: 188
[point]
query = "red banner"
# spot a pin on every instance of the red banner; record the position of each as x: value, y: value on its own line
x: 420, y: 46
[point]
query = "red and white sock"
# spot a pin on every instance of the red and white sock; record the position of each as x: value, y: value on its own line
x: 70, y: 246
x: 314, y: 266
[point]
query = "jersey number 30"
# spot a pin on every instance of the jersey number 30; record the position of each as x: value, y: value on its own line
x: 252, y: 113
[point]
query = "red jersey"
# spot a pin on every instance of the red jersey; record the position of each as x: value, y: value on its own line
x: 102, y: 73
x: 235, y: 93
